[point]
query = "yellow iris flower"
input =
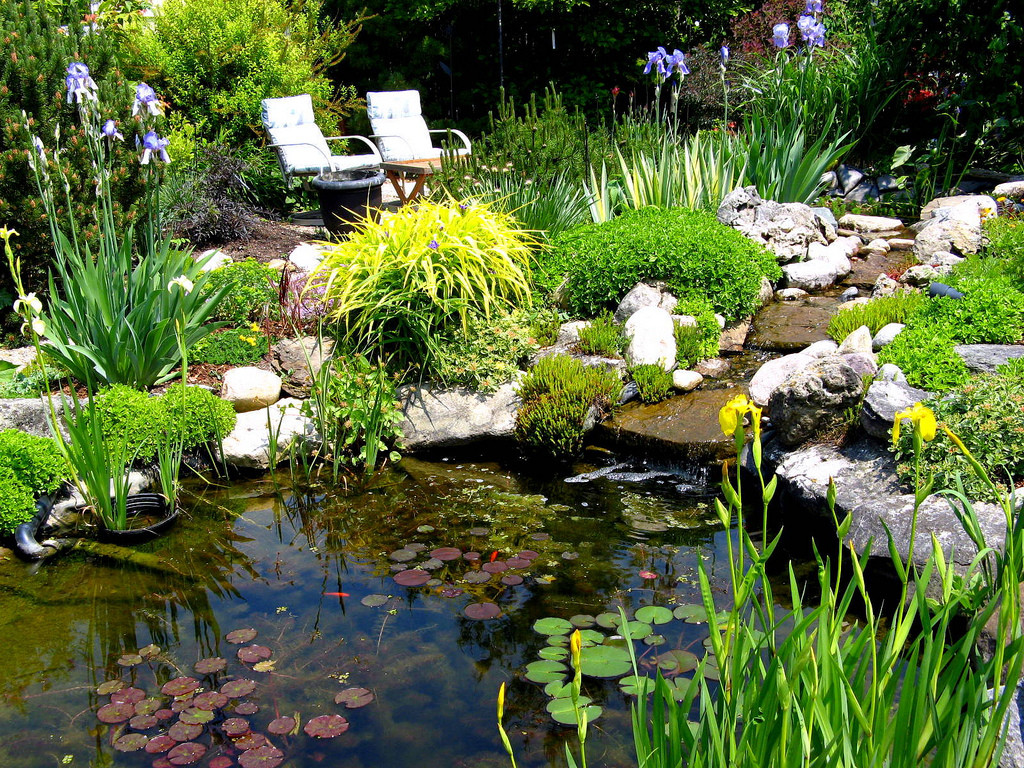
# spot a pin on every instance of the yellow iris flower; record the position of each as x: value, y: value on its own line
x: 922, y: 418
x: 732, y: 413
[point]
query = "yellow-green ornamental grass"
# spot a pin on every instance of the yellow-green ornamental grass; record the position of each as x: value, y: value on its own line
x: 396, y: 283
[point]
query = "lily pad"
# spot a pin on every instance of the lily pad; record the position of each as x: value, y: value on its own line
x: 495, y: 566
x: 115, y: 713
x: 236, y: 689
x: 264, y: 666
x: 186, y: 754
x: 563, y: 714
x: 552, y: 625
x: 149, y: 651
x: 164, y: 714
x: 570, y: 555
x: 529, y: 554
x: 160, y: 744
x: 637, y: 630
x: 210, y: 666
x: 261, y: 757
x: 636, y: 685
x: 221, y: 761
x: 197, y: 716
x: 247, y: 708
x: 477, y: 577
x: 180, y: 686
x: 131, y: 742
x: 654, y: 614
x: 251, y: 740
x: 210, y: 700
x: 181, y: 704
x: 281, y: 726
x: 143, y: 722
x: 553, y: 652
x: 425, y: 528
x: 478, y: 531
x: 446, y: 553
x: 354, y: 698
x: 129, y: 695
x: 557, y: 688
x: 608, y: 620
x: 482, y: 611
x: 582, y: 621
x: 432, y: 564
x: 680, y: 686
x: 451, y: 592
x: 691, y: 614
x: 558, y: 640
x: 540, y: 536
x: 605, y: 661
x: 511, y: 580
x: 374, y: 601
x: 591, y: 637
x: 411, y: 577
x: 676, y: 662
x: 130, y: 660
x: 239, y: 636
x: 402, y: 555
x: 326, y: 726
x: 471, y: 556
x: 253, y: 653
x: 517, y: 562
x: 236, y: 726
x: 184, y: 731
x: 545, y: 671
x: 415, y: 546
x: 654, y: 640
x: 110, y: 686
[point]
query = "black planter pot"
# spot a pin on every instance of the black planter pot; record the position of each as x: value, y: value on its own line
x: 347, y: 196
x: 148, y: 514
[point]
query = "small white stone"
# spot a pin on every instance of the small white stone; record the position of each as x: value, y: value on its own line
x: 215, y: 259
x: 686, y: 381
x: 821, y: 348
x: 858, y: 341
x: 306, y: 257
x: 886, y: 334
x: 250, y: 388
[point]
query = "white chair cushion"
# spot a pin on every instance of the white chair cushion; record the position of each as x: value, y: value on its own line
x: 397, y: 118
x: 303, y: 149
x: 288, y: 111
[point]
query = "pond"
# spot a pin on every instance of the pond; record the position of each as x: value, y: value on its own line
x: 298, y: 594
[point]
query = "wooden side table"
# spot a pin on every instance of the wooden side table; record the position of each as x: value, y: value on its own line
x: 416, y: 171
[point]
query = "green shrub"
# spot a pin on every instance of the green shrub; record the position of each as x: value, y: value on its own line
x: 987, y: 413
x: 690, y: 251
x: 694, y: 344
x: 990, y: 312
x: 1006, y: 242
x: 602, y: 337
x: 558, y: 394
x: 875, y: 314
x: 234, y: 346
x: 17, y: 502
x: 928, y: 361
x: 653, y: 382
x: 487, y: 355
x: 138, y: 421
x: 252, y: 292
x: 399, y: 284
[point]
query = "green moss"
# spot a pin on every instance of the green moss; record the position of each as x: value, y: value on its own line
x: 36, y: 461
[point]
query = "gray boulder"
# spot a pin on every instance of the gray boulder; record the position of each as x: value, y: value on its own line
x: 1014, y: 189
x: 822, y: 348
x: 886, y: 334
x: 870, y: 226
x: 248, y: 446
x: 298, y: 360
x: 30, y: 414
x: 814, y: 399
x: 858, y: 340
x: 810, y: 275
x: 985, y: 358
x: 883, y: 400
x: 787, y: 229
x: 866, y: 366
x: 644, y: 295
x: 956, y: 230
x: 652, y: 341
x: 443, y: 418
x: 771, y: 375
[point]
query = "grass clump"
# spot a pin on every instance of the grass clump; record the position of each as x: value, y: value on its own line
x: 558, y: 395
x: 875, y: 314
x: 1006, y: 243
x: 602, y: 337
x: 690, y: 251
x: 696, y: 343
x: 653, y: 382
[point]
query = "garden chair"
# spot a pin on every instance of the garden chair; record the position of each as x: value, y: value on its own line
x: 301, y: 146
x: 399, y: 129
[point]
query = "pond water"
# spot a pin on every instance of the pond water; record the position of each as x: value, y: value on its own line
x: 314, y: 576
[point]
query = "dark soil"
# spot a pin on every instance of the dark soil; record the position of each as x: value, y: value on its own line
x: 268, y: 240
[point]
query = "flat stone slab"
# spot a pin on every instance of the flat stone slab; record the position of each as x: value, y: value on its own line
x: 685, y: 426
x: 866, y: 271
x: 443, y: 418
x: 791, y: 325
x: 985, y: 358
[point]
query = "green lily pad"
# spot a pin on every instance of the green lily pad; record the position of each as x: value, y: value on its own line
x: 608, y: 620
x: 557, y: 689
x: 676, y: 662
x: 638, y: 630
x: 553, y: 652
x: 558, y: 640
x: 591, y: 637
x: 605, y: 661
x: 563, y: 703
x: 635, y: 685
x: 691, y: 614
x: 654, y: 614
x: 552, y: 626
x: 582, y: 620
x: 680, y: 686
x: 568, y: 716
x: 711, y: 668
x: 545, y: 671
x: 654, y: 640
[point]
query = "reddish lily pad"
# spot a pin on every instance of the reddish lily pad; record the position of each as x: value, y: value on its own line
x: 115, y: 713
x: 221, y: 761
x: 451, y: 592
x: 131, y: 742
x: 181, y: 704
x: 261, y: 757
x: 281, y: 726
x: 254, y: 653
x: 186, y: 754
x: 164, y: 714
x: 374, y: 601
x: 445, y: 554
x: 541, y: 536
x: 235, y: 727
x: 482, y: 611
x: 471, y: 556
x: 498, y: 566
x: 529, y: 554
x: 127, y: 695
x: 512, y: 580
x: 354, y: 698
x: 402, y: 555
x: 130, y: 660
x: 210, y: 666
x: 236, y: 689
x: 239, y: 636
x: 184, y: 731
x: 210, y: 700
x: 478, y: 531
x: 517, y: 562
x: 180, y: 686
x: 160, y: 744
x: 110, y: 686
x: 477, y: 577
x: 162, y: 762
x: 415, y: 547
x: 326, y: 726
x: 247, y: 708
x: 411, y: 577
x: 251, y: 741
x: 143, y: 722
x: 147, y: 706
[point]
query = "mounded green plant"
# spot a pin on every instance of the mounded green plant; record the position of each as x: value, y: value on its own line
x: 653, y: 382
x: 990, y: 312
x: 234, y: 346
x: 694, y: 254
x: 557, y: 397
x: 875, y: 314
x: 929, y: 361
x: 17, y: 502
x: 250, y: 291
x: 602, y: 337
x: 399, y: 284
x: 489, y: 354
x: 29, y: 466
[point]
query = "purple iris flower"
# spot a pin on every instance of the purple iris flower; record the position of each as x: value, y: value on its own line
x: 813, y: 6
x: 110, y: 130
x: 145, y: 99
x: 723, y: 55
x: 677, y: 61
x: 812, y: 31
x: 79, y: 84
x: 152, y: 143
x: 780, y: 35
x: 433, y: 244
x: 656, y: 59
